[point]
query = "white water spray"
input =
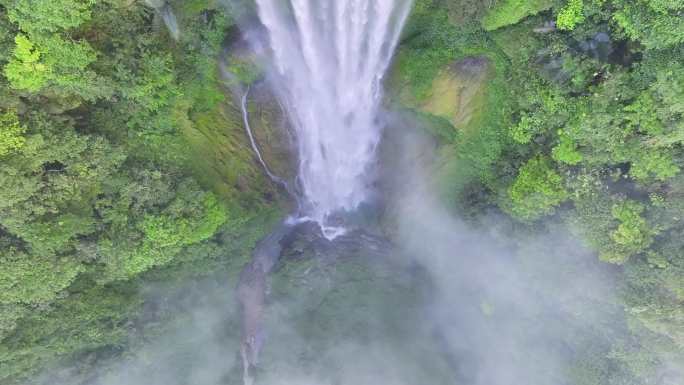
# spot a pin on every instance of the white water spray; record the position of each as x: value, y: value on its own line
x: 329, y: 60
x: 167, y: 16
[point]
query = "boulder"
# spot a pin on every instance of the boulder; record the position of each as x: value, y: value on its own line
x: 458, y: 91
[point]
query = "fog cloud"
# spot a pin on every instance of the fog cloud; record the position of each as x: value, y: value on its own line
x: 441, y: 302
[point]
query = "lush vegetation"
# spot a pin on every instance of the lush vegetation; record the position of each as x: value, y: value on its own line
x: 102, y: 175
x: 586, y: 129
x: 123, y: 161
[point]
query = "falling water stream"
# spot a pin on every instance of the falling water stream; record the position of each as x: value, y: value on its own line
x: 328, y: 60
x: 166, y: 13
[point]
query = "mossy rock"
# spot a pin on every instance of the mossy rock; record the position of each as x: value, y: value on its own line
x: 458, y: 91
x: 464, y: 12
x: 242, y: 75
x: 466, y: 107
x: 272, y: 132
x: 222, y: 158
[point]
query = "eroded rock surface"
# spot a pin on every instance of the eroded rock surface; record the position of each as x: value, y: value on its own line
x: 458, y: 91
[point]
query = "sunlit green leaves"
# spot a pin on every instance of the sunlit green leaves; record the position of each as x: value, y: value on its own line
x: 570, y: 15
x: 25, y: 71
x: 46, y: 17
x: 537, y: 190
x: 656, y: 24
x: 633, y: 235
x: 36, y: 279
x: 509, y: 12
x: 52, y: 61
x: 46, y: 55
x: 566, y: 150
x: 11, y: 133
x: 656, y: 164
x: 528, y: 126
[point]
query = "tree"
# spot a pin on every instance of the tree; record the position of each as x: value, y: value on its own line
x: 94, y: 172
x: 537, y: 190
x: 50, y: 183
x: 11, y: 133
x: 163, y: 235
x: 566, y: 150
x: 656, y: 24
x: 570, y: 15
x: 25, y: 71
x: 38, y: 17
x: 632, y: 236
x: 46, y: 56
x: 34, y: 280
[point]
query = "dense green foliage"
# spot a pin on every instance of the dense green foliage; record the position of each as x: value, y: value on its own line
x: 587, y: 129
x: 536, y: 190
x: 97, y: 112
x: 509, y: 12
x: 123, y: 163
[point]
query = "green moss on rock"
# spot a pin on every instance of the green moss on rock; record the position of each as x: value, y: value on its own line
x: 508, y: 12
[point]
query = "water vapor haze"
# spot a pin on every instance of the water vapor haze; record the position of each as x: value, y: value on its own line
x: 441, y: 302
x: 432, y: 299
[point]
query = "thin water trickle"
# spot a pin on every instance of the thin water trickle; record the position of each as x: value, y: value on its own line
x: 166, y: 12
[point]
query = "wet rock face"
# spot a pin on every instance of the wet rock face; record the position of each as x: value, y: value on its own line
x: 272, y: 132
x: 219, y: 147
x: 242, y: 74
x: 355, y: 300
x: 221, y: 156
x: 307, y: 304
x: 457, y: 92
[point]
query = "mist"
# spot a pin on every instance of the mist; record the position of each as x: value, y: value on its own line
x: 342, y: 192
x: 430, y: 299
x: 410, y: 294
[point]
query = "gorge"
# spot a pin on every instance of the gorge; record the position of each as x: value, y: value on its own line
x: 358, y: 192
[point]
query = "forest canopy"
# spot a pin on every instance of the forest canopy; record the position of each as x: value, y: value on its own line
x: 581, y: 123
x: 98, y: 108
x: 111, y: 177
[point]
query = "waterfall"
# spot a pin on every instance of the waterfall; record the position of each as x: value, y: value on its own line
x: 329, y: 58
x: 166, y: 12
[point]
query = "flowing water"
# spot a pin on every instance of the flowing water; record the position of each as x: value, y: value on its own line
x: 248, y: 128
x: 166, y: 12
x: 329, y: 58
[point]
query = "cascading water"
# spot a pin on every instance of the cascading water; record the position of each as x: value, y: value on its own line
x: 329, y: 59
x: 167, y: 16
